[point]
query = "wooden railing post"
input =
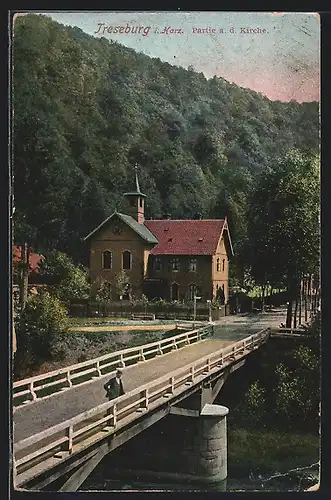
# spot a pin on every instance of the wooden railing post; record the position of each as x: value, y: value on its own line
x: 141, y: 355
x: 122, y: 364
x: 159, y: 350
x: 98, y: 369
x: 146, y: 398
x: 207, y: 369
x: 114, y: 415
x: 68, y: 378
x: 32, y: 391
x: 174, y: 345
x: 70, y: 434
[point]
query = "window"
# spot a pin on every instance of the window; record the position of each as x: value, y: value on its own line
x: 192, y: 266
x: 218, y: 267
x: 126, y: 260
x: 175, y: 264
x: 157, y: 264
x: 106, y: 259
x: 192, y: 291
x: 223, y: 264
x: 174, y: 291
x: 140, y: 202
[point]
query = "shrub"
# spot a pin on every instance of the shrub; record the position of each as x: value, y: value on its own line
x: 70, y: 281
x: 42, y: 320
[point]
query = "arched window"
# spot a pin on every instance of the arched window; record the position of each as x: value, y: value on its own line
x: 140, y: 202
x: 126, y: 260
x: 174, y: 291
x: 157, y: 264
x: 192, y: 291
x: 218, y: 267
x: 223, y: 264
x: 192, y: 265
x: 174, y: 264
x: 106, y: 259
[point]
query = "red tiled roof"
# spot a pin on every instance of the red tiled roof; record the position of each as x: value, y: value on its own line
x: 34, y: 259
x: 186, y: 237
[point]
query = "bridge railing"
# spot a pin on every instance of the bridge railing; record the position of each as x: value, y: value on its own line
x: 67, y: 437
x: 46, y: 384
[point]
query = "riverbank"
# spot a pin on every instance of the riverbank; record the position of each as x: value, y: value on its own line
x: 76, y: 347
x: 268, y: 458
x: 257, y: 461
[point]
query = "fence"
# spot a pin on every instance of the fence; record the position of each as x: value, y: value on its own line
x: 127, y: 309
x: 109, y: 417
x: 44, y: 385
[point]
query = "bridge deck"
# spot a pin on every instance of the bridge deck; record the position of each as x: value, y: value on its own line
x: 37, y: 416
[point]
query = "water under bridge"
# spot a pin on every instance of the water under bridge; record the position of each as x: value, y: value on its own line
x: 64, y: 425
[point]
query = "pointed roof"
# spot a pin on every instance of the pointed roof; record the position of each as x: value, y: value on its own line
x: 137, y: 192
x: 140, y: 229
x: 188, y: 237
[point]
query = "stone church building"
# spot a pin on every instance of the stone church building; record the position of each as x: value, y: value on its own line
x: 169, y: 259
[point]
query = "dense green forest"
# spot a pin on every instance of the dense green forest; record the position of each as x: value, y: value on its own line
x: 86, y: 110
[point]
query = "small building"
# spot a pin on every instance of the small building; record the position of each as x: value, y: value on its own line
x: 35, y: 260
x: 170, y: 259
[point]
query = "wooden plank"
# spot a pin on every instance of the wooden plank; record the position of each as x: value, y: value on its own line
x: 83, y: 472
x: 176, y: 410
x: 91, y: 426
x: 64, y: 470
x: 40, y: 451
x: 219, y: 384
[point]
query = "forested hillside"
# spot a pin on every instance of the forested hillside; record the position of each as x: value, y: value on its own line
x: 86, y: 110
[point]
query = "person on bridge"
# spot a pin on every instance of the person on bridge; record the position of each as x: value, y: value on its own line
x: 114, y: 386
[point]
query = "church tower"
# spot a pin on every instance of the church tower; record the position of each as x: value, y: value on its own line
x: 136, y: 201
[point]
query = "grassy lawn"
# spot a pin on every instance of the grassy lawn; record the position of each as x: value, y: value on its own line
x: 95, y: 321
x: 257, y: 291
x: 270, y: 451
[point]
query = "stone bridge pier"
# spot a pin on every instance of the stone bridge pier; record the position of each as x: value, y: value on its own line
x: 211, y: 446
x: 187, y: 446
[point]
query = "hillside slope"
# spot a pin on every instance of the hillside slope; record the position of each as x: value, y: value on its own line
x: 86, y: 110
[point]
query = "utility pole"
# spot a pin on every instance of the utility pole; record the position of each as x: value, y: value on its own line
x: 195, y: 298
x: 209, y: 306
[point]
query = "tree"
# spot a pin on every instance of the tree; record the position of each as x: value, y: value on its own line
x: 102, y: 290
x: 43, y: 319
x: 24, y: 237
x: 69, y: 281
x: 284, y: 224
x: 121, y: 284
x: 86, y: 110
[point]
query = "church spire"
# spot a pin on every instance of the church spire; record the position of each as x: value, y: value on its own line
x: 136, y: 200
x: 137, y: 180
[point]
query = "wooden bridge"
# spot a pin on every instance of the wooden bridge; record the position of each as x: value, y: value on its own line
x: 62, y: 422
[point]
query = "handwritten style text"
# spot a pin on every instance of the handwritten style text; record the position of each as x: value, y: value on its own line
x: 134, y: 30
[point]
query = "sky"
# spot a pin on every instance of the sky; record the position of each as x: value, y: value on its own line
x: 280, y: 59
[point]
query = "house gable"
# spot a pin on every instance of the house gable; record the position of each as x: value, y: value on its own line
x: 113, y: 227
x: 225, y: 242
